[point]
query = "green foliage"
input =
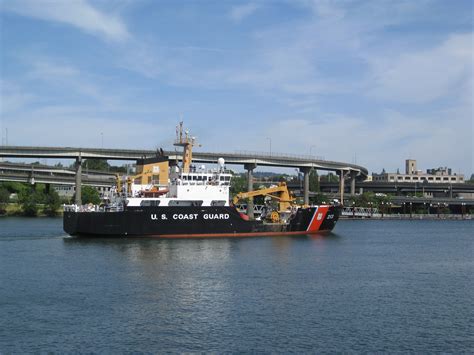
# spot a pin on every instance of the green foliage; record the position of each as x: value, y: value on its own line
x: 238, y: 184
x: 330, y: 177
x: 4, y: 199
x: 102, y: 165
x: 118, y: 169
x: 4, y: 195
x: 318, y: 199
x: 367, y: 199
x: 52, y: 203
x: 28, y: 200
x: 314, y: 181
x: 96, y: 164
x: 90, y: 195
x: 14, y: 187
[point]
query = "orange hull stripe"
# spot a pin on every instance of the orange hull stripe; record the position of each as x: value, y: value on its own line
x: 318, y: 218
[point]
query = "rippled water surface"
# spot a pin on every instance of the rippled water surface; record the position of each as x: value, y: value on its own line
x: 370, y: 286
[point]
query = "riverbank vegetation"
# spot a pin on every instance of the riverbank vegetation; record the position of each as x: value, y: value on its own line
x: 29, y: 200
x: 21, y: 199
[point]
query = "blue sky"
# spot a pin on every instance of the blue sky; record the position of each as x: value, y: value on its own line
x: 372, y: 82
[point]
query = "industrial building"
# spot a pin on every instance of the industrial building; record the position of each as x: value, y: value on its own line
x: 412, y: 174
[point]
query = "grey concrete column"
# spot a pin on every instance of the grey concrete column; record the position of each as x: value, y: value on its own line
x: 353, y: 182
x: 78, y: 200
x: 250, y: 207
x: 306, y: 172
x: 341, y: 186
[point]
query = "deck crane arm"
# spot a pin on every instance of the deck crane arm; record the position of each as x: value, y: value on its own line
x: 279, y: 193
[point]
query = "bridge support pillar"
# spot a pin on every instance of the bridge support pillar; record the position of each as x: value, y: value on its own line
x: 250, y: 167
x: 78, y: 200
x: 341, y: 175
x: 353, y: 182
x: 306, y: 172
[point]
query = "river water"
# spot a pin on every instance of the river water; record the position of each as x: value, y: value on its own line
x: 370, y: 286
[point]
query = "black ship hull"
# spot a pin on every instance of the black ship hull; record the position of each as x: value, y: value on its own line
x: 185, y: 222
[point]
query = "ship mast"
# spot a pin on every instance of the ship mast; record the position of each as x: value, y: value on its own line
x: 187, y: 142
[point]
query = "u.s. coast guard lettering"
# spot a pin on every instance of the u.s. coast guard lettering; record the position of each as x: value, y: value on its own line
x: 190, y: 216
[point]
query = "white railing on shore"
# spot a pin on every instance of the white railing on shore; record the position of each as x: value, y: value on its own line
x: 412, y: 216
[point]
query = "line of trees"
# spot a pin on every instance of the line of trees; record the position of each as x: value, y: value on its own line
x: 31, y: 198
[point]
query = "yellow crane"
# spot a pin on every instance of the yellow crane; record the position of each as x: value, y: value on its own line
x: 279, y: 193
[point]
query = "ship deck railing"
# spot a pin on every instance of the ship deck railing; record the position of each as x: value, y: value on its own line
x: 92, y: 208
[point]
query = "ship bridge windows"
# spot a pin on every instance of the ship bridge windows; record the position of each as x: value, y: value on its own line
x: 150, y: 203
x: 195, y: 203
x: 218, y: 203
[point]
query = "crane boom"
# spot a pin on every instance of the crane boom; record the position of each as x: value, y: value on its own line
x: 279, y: 193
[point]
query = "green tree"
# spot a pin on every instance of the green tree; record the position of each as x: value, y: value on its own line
x: 52, y: 203
x: 318, y: 199
x: 90, y: 195
x: 96, y: 164
x: 314, y: 181
x: 238, y: 184
x: 4, y: 195
x: 14, y: 187
x: 4, y: 199
x: 28, y: 199
x: 330, y: 177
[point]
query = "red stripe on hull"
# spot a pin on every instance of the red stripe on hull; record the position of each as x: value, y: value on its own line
x: 318, y: 218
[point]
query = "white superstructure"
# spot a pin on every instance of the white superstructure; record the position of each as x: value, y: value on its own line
x: 195, y: 188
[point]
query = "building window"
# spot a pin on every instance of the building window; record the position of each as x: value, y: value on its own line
x: 185, y: 203
x: 149, y: 203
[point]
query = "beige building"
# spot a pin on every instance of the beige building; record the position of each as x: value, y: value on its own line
x: 437, y: 175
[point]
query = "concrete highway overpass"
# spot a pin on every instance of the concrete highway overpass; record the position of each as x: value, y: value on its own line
x: 238, y: 158
x: 250, y: 160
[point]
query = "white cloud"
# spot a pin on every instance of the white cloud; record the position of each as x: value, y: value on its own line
x: 76, y: 13
x: 238, y: 13
x: 435, y: 139
x: 79, y: 127
x: 424, y: 76
x: 12, y: 98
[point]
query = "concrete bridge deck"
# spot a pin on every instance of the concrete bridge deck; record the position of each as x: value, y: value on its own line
x: 238, y: 158
x: 249, y: 160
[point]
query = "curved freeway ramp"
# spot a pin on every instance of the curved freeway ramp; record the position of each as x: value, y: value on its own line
x: 238, y: 158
